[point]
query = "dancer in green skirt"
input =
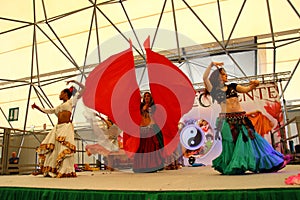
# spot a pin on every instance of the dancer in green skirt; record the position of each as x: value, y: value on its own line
x: 243, y: 149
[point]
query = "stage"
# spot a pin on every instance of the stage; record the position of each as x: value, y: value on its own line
x: 186, y: 183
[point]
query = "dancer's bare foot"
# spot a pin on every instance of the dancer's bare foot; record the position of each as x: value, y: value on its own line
x: 283, y: 165
x: 37, y: 173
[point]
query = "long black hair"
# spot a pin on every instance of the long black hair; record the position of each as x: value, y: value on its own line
x: 152, y: 105
x: 215, y: 79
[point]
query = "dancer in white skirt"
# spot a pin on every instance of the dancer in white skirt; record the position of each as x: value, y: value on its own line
x: 56, y: 152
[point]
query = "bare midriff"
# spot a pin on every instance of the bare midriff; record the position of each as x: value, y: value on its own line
x: 231, y: 105
x: 64, y: 117
x: 146, y: 120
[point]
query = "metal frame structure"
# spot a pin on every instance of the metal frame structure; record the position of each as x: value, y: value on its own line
x: 38, y: 81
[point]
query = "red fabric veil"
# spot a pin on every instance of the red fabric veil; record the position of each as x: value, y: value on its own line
x: 112, y: 89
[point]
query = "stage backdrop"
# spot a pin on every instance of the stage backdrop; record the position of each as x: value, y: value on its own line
x: 197, y: 133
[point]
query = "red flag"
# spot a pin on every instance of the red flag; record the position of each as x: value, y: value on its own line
x: 173, y: 95
x: 112, y: 89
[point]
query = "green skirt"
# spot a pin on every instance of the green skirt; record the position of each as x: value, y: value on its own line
x: 243, y: 149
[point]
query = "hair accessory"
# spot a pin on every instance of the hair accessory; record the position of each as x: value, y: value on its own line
x: 71, y: 89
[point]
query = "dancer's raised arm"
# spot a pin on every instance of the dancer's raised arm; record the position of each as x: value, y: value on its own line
x: 80, y: 85
x: 206, y: 80
x: 244, y: 89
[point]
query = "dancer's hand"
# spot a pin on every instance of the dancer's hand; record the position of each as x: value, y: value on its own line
x: 254, y: 82
x: 70, y: 81
x: 218, y: 64
x: 33, y: 106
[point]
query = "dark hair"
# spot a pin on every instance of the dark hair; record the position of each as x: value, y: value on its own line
x: 214, y: 79
x: 151, y: 99
x: 70, y: 91
x: 151, y: 102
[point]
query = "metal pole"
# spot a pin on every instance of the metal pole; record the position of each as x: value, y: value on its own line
x: 286, y: 118
x: 282, y: 131
x: 298, y: 126
x: 5, y: 155
x: 273, y: 140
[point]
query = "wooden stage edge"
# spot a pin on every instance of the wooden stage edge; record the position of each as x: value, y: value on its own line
x: 185, y: 179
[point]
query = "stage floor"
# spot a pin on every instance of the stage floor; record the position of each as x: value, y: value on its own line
x: 185, y: 179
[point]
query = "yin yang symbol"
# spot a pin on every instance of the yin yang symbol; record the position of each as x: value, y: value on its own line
x: 192, y: 137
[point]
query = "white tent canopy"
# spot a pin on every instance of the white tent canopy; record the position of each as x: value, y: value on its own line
x: 44, y: 43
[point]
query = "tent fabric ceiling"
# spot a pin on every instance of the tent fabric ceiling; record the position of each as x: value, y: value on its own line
x: 48, y: 41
